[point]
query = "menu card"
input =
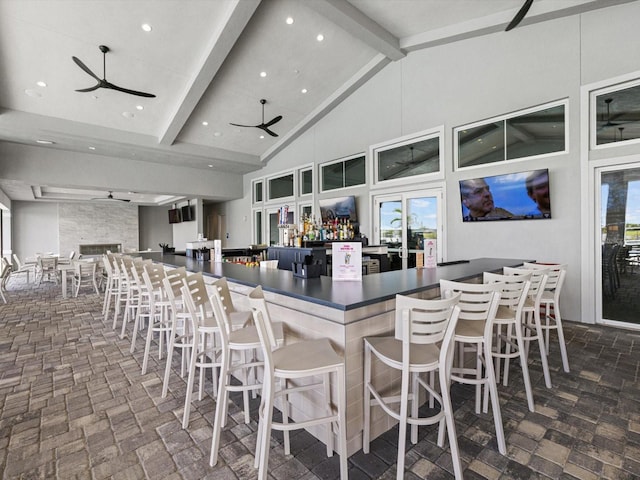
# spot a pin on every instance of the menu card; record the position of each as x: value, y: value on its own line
x: 346, y: 261
x: 430, y: 258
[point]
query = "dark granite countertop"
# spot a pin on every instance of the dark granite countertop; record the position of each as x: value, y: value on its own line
x: 340, y: 295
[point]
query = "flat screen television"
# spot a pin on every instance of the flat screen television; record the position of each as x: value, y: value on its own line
x: 513, y: 196
x: 174, y: 215
x: 187, y: 213
x: 340, y: 208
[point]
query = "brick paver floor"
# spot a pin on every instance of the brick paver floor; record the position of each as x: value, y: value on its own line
x: 73, y: 404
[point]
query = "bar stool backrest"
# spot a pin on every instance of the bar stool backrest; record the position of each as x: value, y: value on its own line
x: 258, y: 304
x: 515, y: 288
x: 222, y: 305
x: 475, y: 298
x: 421, y: 321
x: 538, y: 279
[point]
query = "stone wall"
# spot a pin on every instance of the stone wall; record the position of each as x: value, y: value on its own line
x: 95, y: 223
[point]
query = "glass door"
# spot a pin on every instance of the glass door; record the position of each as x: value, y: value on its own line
x: 619, y: 252
x: 404, y: 220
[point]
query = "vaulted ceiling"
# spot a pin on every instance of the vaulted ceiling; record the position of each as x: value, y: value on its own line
x: 208, y: 63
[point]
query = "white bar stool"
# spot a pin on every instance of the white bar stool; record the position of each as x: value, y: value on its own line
x: 420, y: 326
x: 181, y: 334
x: 531, y: 326
x: 206, y: 351
x: 478, y: 306
x: 550, y: 304
x: 242, y: 342
x: 513, y: 296
x: 296, y: 361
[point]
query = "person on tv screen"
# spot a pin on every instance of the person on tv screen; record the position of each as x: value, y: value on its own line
x: 537, y: 184
x: 476, y: 196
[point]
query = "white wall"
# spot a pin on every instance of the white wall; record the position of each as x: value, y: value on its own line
x: 154, y: 227
x: 35, y: 228
x: 468, y: 81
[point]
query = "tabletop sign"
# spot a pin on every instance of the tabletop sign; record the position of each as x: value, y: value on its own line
x: 430, y: 260
x: 346, y: 261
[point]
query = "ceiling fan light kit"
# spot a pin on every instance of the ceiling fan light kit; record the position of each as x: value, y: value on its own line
x: 263, y: 126
x: 102, y: 82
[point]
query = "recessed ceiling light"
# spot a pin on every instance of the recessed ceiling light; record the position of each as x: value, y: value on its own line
x: 139, y: 107
x: 261, y: 136
x: 95, y: 97
x: 320, y: 37
x: 92, y: 148
x: 41, y: 83
x: 304, y: 90
x: 128, y: 115
x: 289, y: 20
x: 33, y: 93
x: 263, y: 74
x: 45, y: 142
x: 217, y: 134
x: 205, y: 123
x: 146, y: 27
x: 210, y: 166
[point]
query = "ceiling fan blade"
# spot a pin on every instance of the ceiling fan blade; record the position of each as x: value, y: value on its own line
x: 275, y: 120
x: 519, y: 16
x: 85, y: 68
x: 248, y: 126
x: 262, y: 127
x: 90, y: 89
x: 126, y: 90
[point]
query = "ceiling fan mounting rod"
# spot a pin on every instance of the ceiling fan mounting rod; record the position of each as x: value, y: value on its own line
x: 104, y: 49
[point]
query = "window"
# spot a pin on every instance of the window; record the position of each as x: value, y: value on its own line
x: 343, y: 173
x: 305, y: 210
x: 281, y: 187
x: 614, y: 114
x: 257, y: 191
x: 525, y: 134
x: 306, y: 181
x: 257, y: 227
x: 415, y: 156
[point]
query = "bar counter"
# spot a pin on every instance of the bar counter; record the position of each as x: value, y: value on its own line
x: 341, y: 295
x: 344, y: 312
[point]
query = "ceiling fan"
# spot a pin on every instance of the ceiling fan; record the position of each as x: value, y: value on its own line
x: 102, y: 82
x: 609, y: 123
x: 263, y: 126
x: 110, y: 198
x: 519, y: 16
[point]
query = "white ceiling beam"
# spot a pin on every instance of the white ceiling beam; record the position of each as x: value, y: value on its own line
x: 352, y: 20
x: 541, y: 11
x: 221, y: 44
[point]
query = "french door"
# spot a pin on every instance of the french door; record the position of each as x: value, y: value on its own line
x: 403, y: 221
x: 618, y: 252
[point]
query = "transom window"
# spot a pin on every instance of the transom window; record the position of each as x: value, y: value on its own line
x: 408, y: 157
x: 615, y: 115
x: 281, y: 187
x: 343, y: 173
x: 529, y: 133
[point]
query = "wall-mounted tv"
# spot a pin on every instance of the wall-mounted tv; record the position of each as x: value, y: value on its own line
x: 174, y: 215
x: 340, y: 208
x: 513, y: 196
x: 187, y: 213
